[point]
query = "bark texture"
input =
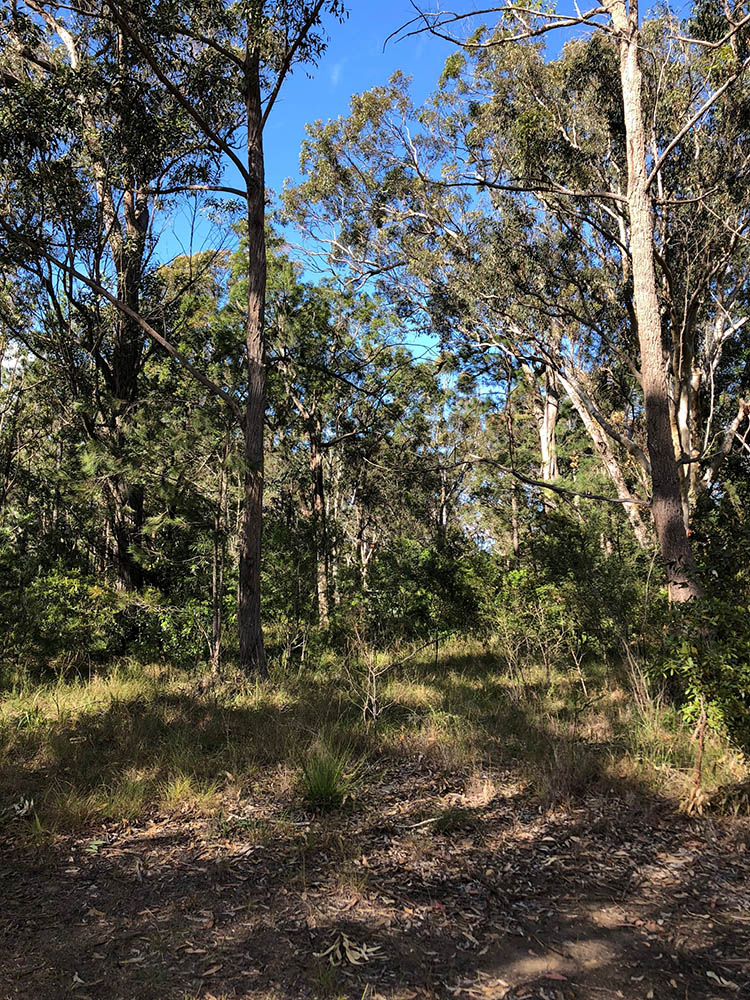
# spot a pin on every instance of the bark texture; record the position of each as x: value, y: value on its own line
x: 252, y: 653
x: 666, y: 503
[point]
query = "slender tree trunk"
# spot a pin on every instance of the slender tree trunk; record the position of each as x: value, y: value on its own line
x: 333, y: 534
x: 546, y: 411
x: 128, y: 248
x: 217, y: 565
x: 515, y: 532
x: 127, y: 520
x: 550, y: 411
x: 319, y: 526
x: 610, y: 463
x: 252, y: 653
x: 666, y: 504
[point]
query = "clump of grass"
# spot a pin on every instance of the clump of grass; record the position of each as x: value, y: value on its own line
x: 570, y: 772
x: 31, y: 719
x: 455, y: 818
x: 328, y: 777
x: 183, y: 791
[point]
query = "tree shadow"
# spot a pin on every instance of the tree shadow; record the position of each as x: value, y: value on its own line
x: 461, y: 882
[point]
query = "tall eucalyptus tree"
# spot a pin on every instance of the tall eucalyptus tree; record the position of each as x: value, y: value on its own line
x: 506, y: 206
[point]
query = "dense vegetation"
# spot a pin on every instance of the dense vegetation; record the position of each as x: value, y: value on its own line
x: 374, y: 554
x: 502, y: 408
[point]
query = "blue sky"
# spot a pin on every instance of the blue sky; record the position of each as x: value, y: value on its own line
x: 353, y: 62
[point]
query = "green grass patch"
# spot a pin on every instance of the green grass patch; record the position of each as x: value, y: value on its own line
x: 132, y: 739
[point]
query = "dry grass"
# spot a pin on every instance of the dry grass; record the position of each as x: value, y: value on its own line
x: 137, y: 738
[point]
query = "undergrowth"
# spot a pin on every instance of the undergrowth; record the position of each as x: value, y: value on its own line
x: 132, y: 741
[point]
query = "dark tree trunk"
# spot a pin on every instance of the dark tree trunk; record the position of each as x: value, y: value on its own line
x: 127, y: 507
x: 126, y: 516
x: 319, y: 526
x: 252, y: 653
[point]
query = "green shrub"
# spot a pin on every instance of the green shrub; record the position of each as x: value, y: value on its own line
x: 706, y: 661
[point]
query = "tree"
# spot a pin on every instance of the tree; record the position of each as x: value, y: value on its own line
x: 620, y: 19
x: 548, y: 276
x: 221, y: 68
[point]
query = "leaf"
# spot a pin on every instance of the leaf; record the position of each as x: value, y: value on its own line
x: 343, y: 948
x: 726, y: 983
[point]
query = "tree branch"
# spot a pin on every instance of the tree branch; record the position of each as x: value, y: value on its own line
x: 288, y: 57
x: 149, y: 330
x: 175, y: 91
x: 706, y: 106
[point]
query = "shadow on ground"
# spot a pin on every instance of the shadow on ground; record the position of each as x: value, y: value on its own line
x: 447, y: 879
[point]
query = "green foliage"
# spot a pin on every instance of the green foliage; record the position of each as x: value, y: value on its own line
x: 64, y: 617
x: 707, y: 661
x: 328, y: 777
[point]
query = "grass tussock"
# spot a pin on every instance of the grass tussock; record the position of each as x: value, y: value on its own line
x: 133, y: 740
x: 328, y: 777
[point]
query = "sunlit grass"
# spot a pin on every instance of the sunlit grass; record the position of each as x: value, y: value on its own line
x: 133, y: 739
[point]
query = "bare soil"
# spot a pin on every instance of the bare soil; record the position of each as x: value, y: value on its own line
x: 458, y: 886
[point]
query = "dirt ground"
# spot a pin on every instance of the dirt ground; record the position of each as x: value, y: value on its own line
x: 431, y: 884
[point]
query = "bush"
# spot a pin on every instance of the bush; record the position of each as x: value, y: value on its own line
x: 706, y: 661
x: 63, y: 616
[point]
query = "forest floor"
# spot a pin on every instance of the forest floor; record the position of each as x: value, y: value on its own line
x: 447, y: 873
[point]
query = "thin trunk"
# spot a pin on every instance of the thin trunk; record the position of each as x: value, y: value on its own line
x: 252, y: 653
x: 514, y: 524
x: 319, y: 526
x: 333, y: 539
x: 666, y: 503
x: 126, y: 515
x: 546, y: 411
x: 217, y: 565
x: 609, y: 461
x: 548, y: 426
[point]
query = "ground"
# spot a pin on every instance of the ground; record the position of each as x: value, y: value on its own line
x: 458, y: 886
x: 498, y: 838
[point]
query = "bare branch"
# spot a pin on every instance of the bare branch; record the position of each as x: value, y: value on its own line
x: 706, y: 106
x: 288, y: 57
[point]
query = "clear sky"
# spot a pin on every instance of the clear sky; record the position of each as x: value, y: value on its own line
x: 354, y: 61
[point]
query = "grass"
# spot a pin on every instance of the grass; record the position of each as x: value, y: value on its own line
x: 327, y: 777
x: 138, y: 740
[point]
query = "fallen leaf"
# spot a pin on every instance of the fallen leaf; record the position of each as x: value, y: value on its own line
x: 726, y: 983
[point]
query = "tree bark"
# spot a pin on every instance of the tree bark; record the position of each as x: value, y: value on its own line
x: 252, y: 653
x: 666, y: 503
x: 218, y: 560
x: 319, y: 526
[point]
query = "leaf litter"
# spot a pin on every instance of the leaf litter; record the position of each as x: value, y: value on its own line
x: 612, y: 897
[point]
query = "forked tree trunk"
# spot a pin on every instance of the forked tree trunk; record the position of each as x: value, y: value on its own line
x: 252, y: 653
x: 666, y: 503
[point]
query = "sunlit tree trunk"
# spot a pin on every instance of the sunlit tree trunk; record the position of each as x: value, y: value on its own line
x: 666, y: 503
x: 319, y: 524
